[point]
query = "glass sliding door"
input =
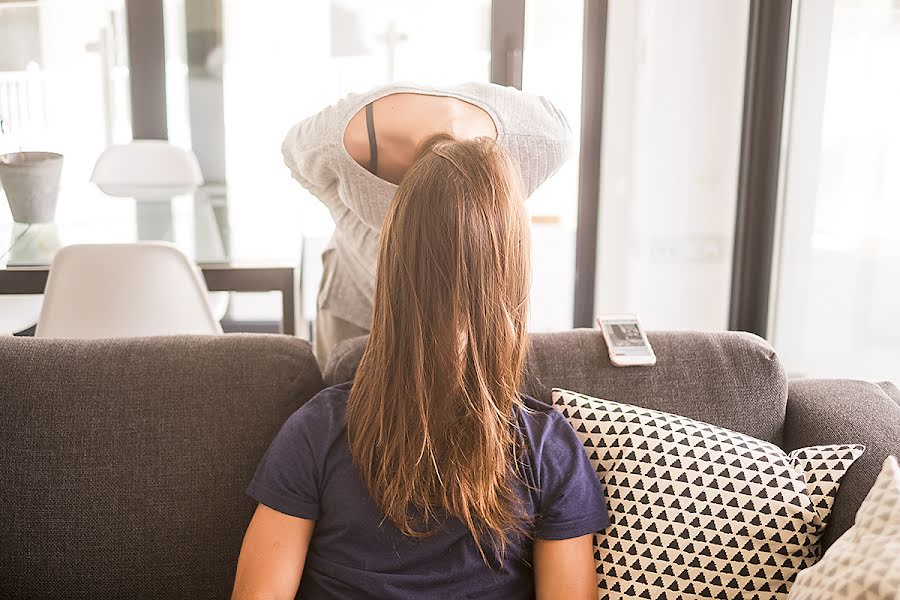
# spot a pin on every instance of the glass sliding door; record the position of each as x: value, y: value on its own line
x: 551, y: 65
x: 245, y: 72
x: 670, y: 155
x: 835, y: 312
x: 64, y: 87
x: 64, y: 82
x: 290, y: 59
x: 254, y: 69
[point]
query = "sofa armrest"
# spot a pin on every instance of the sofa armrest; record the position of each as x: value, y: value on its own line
x: 891, y: 390
x: 841, y: 411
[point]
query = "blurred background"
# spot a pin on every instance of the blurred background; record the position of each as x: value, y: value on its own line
x: 651, y: 216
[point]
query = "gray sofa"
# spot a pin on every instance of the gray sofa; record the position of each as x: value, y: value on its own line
x: 124, y: 462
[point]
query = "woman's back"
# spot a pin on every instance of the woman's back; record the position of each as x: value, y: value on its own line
x: 398, y: 124
x: 356, y: 553
x: 430, y: 475
x: 329, y: 156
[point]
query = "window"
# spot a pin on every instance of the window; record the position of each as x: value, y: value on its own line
x: 670, y: 154
x: 64, y: 84
x: 552, y: 68
x: 252, y: 73
x: 836, y: 312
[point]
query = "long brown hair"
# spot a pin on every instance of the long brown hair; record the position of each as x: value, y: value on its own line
x: 431, y: 419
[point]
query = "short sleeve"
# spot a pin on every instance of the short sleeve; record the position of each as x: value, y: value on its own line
x: 287, y: 478
x: 572, y: 503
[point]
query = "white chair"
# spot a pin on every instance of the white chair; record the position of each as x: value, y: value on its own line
x: 124, y: 290
x: 152, y: 170
x: 19, y: 312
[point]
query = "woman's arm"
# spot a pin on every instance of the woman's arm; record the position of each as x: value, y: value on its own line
x: 537, y: 133
x: 272, y: 556
x: 310, y: 146
x: 564, y: 569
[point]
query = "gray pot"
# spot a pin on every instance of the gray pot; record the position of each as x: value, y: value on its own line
x: 31, y: 183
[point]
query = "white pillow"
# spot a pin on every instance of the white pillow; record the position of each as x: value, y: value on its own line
x: 699, y: 511
x: 865, y: 561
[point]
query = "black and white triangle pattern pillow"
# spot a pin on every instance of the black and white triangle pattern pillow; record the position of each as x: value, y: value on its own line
x: 865, y: 561
x: 699, y: 511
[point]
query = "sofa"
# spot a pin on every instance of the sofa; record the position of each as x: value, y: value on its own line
x: 124, y: 462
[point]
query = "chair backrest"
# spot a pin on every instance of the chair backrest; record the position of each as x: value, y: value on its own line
x: 124, y: 290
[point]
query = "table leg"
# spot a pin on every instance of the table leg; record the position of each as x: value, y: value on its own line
x: 288, y: 307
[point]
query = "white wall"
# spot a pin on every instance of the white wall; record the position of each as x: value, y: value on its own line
x: 672, y: 125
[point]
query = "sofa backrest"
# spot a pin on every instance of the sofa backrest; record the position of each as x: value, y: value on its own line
x: 729, y: 379
x: 124, y: 462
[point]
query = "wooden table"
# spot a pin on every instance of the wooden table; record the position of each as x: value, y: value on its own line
x: 219, y: 278
x: 199, y: 224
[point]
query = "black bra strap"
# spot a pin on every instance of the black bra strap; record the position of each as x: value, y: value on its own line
x: 373, y: 146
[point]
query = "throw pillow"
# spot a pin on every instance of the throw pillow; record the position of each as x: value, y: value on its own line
x: 865, y: 561
x: 699, y: 511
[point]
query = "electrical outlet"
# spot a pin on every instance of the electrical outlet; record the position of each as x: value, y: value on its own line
x: 702, y: 248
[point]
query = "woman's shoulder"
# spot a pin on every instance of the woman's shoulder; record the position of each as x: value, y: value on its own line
x: 524, y: 112
x: 331, y: 399
x: 534, y: 405
x: 324, y: 414
x: 539, y: 420
x: 325, y: 127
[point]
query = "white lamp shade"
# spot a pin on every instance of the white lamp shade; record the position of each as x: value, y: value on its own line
x: 147, y: 170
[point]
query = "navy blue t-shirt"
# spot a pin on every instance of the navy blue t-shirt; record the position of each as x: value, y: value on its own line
x: 356, y: 553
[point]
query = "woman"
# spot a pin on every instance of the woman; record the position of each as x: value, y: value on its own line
x: 352, y: 155
x: 430, y: 476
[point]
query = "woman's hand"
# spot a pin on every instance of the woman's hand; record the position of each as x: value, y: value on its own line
x: 272, y: 556
x: 564, y: 569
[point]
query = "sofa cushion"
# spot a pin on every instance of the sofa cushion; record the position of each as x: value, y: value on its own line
x: 865, y: 561
x: 125, y: 461
x: 730, y: 379
x: 699, y: 510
